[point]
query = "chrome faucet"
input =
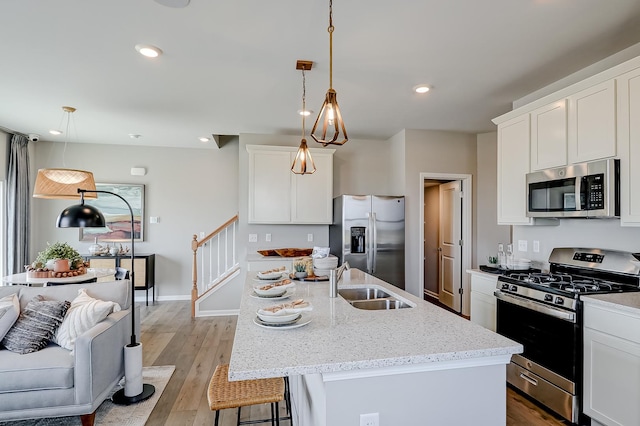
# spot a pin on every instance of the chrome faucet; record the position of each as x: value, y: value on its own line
x: 334, y: 277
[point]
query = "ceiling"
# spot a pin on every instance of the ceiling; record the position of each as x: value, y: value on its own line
x: 229, y: 65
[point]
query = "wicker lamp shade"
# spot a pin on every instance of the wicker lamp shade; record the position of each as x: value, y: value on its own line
x: 63, y: 183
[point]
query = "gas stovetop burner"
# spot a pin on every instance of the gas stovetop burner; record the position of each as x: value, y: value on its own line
x: 565, y: 282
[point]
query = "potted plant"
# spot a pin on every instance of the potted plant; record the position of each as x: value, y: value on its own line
x: 493, y: 260
x: 59, y: 251
x: 300, y: 270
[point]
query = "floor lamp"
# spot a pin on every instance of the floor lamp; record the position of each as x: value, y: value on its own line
x: 87, y: 216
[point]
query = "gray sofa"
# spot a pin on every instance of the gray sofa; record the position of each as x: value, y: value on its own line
x: 54, y: 383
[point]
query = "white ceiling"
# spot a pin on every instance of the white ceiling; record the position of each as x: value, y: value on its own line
x: 229, y: 65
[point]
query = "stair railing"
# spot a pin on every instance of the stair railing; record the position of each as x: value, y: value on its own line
x: 217, y: 254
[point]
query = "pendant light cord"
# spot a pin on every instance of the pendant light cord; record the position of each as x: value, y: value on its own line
x: 304, y: 96
x: 330, y: 30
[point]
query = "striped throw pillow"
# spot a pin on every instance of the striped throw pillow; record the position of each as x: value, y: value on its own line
x: 36, y: 325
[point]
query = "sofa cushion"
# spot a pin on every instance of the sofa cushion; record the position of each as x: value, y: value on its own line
x: 9, y: 312
x: 84, y: 313
x: 36, y: 325
x: 50, y: 368
x: 116, y: 291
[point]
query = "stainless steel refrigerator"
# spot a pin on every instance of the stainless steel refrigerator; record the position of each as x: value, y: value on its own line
x: 368, y: 232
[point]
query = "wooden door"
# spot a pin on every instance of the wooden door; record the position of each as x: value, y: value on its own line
x: 450, y: 279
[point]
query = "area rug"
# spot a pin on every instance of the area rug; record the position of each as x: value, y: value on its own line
x: 110, y: 414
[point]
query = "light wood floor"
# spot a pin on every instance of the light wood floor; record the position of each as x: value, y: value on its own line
x: 195, y: 347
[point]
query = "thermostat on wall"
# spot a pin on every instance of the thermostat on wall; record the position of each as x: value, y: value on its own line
x: 138, y: 171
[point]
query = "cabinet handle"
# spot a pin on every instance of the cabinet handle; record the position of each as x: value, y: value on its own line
x: 531, y: 380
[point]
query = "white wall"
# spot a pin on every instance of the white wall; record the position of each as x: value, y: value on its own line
x: 190, y: 190
x: 429, y: 151
x: 487, y: 232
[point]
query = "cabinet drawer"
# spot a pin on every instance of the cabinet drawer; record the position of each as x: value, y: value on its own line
x: 611, y: 321
x: 484, y: 285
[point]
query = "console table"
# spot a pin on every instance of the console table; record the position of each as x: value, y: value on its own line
x: 145, y: 273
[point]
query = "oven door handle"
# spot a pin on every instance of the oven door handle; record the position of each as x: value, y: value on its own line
x: 536, y: 306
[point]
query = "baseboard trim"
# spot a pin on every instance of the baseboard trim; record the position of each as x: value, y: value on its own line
x: 219, y: 313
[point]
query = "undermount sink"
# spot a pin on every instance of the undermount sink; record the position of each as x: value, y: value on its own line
x: 364, y: 293
x: 371, y: 299
x: 378, y: 304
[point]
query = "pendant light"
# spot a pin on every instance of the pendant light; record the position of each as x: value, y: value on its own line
x: 330, y: 118
x: 63, y: 182
x: 303, y: 163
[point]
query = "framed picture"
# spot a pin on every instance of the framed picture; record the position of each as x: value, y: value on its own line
x: 116, y: 213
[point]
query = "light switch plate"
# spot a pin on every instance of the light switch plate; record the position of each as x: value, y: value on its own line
x: 522, y: 245
x: 267, y: 237
x: 253, y: 238
x: 536, y: 246
x: 309, y: 237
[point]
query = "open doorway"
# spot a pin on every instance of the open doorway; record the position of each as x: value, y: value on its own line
x: 445, y: 223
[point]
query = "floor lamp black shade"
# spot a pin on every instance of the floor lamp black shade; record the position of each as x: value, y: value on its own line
x: 86, y: 216
x: 81, y: 216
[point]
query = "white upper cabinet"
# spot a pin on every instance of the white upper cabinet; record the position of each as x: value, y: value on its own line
x: 549, y: 136
x: 592, y: 123
x: 278, y: 196
x: 629, y: 146
x: 513, y: 166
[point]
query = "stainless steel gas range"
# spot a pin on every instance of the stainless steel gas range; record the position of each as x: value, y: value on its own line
x: 543, y: 312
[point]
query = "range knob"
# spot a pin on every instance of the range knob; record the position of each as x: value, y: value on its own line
x: 505, y: 286
x: 513, y: 287
x: 548, y: 298
x: 559, y: 300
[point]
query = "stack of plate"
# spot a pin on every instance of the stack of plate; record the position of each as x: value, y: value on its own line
x: 322, y: 265
x: 521, y: 264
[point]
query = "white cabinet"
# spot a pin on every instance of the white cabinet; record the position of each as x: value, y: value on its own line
x: 628, y: 114
x: 592, y: 123
x: 483, y: 302
x: 278, y: 196
x: 513, y: 165
x: 549, y: 136
x: 611, y: 365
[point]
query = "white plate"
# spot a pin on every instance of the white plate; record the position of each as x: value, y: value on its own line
x: 271, y: 275
x: 278, y: 278
x: 273, y: 291
x: 287, y: 293
x: 279, y: 319
x: 300, y: 323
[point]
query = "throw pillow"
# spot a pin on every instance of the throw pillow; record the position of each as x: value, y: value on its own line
x: 36, y: 325
x: 84, y: 313
x: 9, y: 312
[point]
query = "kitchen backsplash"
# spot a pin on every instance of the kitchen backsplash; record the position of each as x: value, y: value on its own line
x: 591, y: 233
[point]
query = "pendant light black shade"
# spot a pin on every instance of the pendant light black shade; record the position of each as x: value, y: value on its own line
x: 81, y: 216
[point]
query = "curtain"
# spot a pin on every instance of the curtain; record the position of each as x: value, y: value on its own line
x: 18, y: 205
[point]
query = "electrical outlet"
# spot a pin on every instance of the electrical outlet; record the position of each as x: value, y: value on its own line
x: 536, y: 246
x: 309, y: 237
x: 267, y: 237
x: 154, y: 219
x: 370, y: 419
x: 253, y: 238
x: 522, y: 245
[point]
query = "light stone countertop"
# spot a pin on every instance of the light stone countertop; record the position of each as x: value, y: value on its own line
x: 628, y: 302
x: 343, y: 338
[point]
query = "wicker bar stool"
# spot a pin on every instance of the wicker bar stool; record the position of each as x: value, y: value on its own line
x: 223, y: 394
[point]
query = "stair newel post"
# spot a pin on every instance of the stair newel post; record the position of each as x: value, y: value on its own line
x: 194, y: 289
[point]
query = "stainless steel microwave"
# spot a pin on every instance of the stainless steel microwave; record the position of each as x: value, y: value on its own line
x: 580, y: 190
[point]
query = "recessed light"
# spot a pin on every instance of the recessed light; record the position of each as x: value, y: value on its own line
x: 203, y: 139
x: 306, y: 112
x: 423, y: 88
x: 55, y: 132
x: 148, y: 50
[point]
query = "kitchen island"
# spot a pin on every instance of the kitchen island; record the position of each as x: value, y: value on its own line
x: 413, y: 366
